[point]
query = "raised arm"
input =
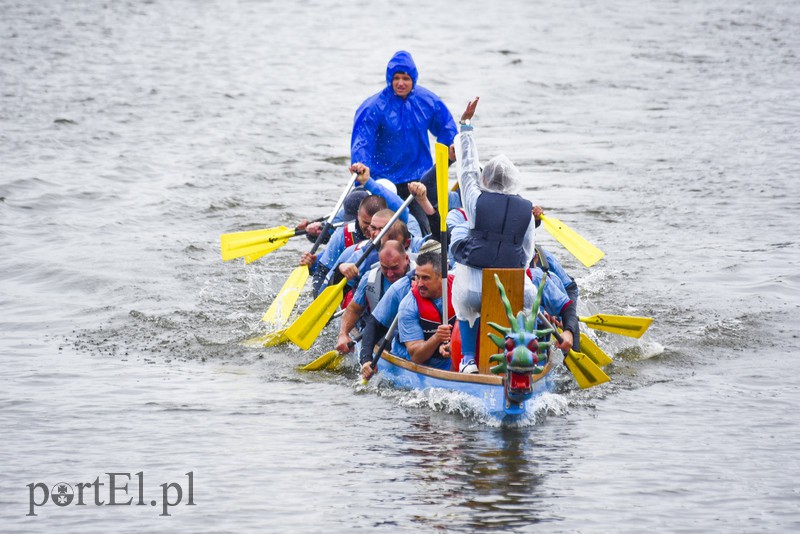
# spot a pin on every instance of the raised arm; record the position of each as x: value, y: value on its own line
x: 467, y: 162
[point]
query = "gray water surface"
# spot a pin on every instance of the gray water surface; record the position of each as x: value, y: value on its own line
x: 133, y: 134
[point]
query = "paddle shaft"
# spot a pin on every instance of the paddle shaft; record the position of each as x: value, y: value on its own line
x: 548, y: 325
x: 329, y: 222
x: 442, y: 166
x: 385, y: 344
x: 445, y: 303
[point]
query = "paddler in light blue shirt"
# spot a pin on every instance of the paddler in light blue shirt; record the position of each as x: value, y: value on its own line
x: 393, y: 265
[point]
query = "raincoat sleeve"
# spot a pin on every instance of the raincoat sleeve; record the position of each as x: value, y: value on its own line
x: 365, y: 134
x: 393, y: 202
x: 443, y: 126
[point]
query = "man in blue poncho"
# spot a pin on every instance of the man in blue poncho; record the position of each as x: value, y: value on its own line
x: 390, y: 129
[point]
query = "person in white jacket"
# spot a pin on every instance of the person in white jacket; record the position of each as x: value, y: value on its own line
x: 501, y: 231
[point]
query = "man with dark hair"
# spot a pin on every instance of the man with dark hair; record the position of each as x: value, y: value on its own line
x: 420, y: 329
x: 342, y: 238
x: 390, y: 128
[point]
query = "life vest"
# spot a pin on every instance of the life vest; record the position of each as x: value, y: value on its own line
x: 429, y: 316
x: 496, y: 241
x: 350, y: 234
x: 374, y: 289
x: 348, y: 297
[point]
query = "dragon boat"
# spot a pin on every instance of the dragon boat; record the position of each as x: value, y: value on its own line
x: 521, y: 357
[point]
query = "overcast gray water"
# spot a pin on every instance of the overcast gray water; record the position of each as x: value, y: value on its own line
x: 133, y: 134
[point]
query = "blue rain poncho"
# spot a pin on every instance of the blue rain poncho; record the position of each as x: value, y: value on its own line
x: 390, y: 133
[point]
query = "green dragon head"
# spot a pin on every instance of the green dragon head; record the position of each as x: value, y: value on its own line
x: 522, y: 349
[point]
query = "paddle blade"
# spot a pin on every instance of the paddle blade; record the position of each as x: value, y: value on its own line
x: 254, y: 242
x: 306, y: 328
x: 267, y: 340
x: 587, y: 374
x: 622, y: 325
x: 595, y: 353
x: 337, y: 362
x: 275, y: 338
x: 584, y: 251
x: 281, y: 308
x: 250, y: 258
x: 441, y: 183
x: 323, y: 362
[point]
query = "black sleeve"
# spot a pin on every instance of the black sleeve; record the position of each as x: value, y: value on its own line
x: 319, y: 279
x: 569, y: 318
x: 337, y: 276
x: 572, y: 291
x: 433, y: 222
x: 370, y: 335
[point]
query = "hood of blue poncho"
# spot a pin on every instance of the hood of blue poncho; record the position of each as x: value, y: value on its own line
x: 401, y: 62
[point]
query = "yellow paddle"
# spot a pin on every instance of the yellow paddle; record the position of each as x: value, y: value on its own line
x: 618, y: 324
x: 586, y: 373
x: 306, y: 328
x: 281, y: 308
x: 277, y: 337
x: 255, y: 242
x: 441, y: 195
x: 579, y: 247
x: 267, y: 340
x: 331, y: 359
x: 595, y: 353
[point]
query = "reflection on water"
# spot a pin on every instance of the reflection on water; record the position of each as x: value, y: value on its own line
x: 477, y: 478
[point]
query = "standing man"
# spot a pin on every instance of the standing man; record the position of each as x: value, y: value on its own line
x: 390, y: 129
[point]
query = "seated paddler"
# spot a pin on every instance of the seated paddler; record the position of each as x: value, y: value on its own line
x: 421, y: 332
x: 393, y: 264
x: 352, y: 255
x: 343, y: 237
x: 567, y: 317
x: 378, y: 322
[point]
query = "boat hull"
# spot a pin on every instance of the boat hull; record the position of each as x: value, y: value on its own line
x: 490, y: 389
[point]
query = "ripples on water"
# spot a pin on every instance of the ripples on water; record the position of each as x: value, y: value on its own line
x: 133, y: 134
